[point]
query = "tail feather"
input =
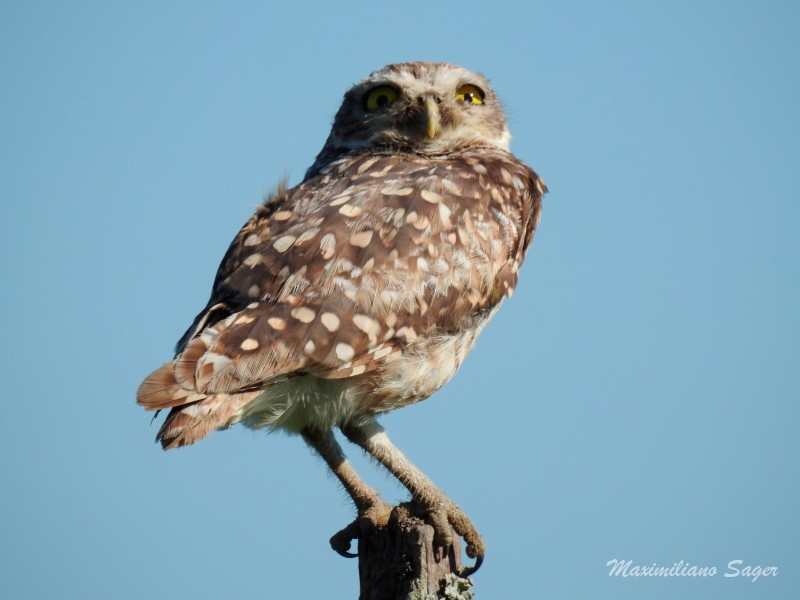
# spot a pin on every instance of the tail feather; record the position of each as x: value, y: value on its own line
x: 161, y: 390
x: 186, y: 362
x: 193, y: 414
x: 190, y: 423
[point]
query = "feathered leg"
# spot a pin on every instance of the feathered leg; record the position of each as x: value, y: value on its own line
x: 441, y: 511
x: 372, y: 511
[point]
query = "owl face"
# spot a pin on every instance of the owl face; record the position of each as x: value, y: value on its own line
x: 424, y: 108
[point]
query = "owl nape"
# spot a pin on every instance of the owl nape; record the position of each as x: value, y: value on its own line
x: 363, y: 288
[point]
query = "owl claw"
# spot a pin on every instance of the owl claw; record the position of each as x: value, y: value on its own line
x: 368, y: 520
x: 446, y: 519
x: 467, y: 571
x: 341, y: 540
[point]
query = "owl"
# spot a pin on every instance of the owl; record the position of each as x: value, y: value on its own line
x: 363, y: 288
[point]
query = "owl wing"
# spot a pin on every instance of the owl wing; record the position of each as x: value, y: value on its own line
x: 338, y: 275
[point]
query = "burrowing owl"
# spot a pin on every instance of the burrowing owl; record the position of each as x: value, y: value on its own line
x: 362, y: 289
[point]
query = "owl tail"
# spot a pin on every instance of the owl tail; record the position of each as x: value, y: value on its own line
x: 187, y: 424
x: 193, y: 415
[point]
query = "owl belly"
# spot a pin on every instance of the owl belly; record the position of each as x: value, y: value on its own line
x: 426, y: 366
x: 303, y: 401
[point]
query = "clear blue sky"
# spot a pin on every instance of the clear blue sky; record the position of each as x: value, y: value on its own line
x: 636, y: 399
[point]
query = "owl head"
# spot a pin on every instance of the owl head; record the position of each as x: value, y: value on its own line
x: 418, y: 107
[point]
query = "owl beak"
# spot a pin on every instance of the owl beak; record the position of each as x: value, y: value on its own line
x: 433, y: 118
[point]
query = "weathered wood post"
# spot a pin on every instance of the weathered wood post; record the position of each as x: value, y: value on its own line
x: 397, y: 562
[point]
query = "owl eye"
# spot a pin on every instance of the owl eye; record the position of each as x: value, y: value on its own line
x: 470, y: 94
x: 380, y: 97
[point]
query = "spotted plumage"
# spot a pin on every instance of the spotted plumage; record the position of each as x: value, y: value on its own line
x: 362, y: 289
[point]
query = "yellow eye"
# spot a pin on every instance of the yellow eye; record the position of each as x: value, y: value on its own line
x: 470, y: 94
x: 380, y: 97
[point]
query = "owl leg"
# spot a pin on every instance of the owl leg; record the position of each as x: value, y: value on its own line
x: 442, y: 512
x: 372, y: 511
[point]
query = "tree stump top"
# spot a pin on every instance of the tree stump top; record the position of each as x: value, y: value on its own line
x: 398, y: 562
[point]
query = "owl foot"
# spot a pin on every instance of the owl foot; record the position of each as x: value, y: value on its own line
x: 447, y: 517
x: 374, y: 516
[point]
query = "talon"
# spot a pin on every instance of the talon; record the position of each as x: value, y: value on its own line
x: 341, y: 540
x: 445, y: 519
x: 467, y: 571
x: 346, y: 554
x: 364, y: 524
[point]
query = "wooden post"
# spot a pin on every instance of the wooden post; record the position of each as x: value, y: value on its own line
x: 397, y: 562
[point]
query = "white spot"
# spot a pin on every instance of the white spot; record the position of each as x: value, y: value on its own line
x: 307, y: 235
x: 348, y: 210
x: 451, y: 187
x: 304, y: 314
x: 254, y: 291
x: 393, y: 191
x: 343, y: 266
x: 369, y: 326
x: 408, y: 333
x: 421, y: 223
x: 341, y: 199
x: 345, y: 352
x: 444, y: 215
x: 422, y: 264
x: 245, y: 319
x: 430, y: 196
x: 252, y: 260
x: 328, y: 245
x: 479, y: 168
x: 388, y: 167
x: 358, y: 370
x: 381, y: 352
x: 249, y: 344
x: 277, y: 323
x: 309, y: 347
x: 282, y: 244
x: 361, y: 239
x: 330, y: 321
x: 367, y: 164
x: 282, y: 215
x: 252, y: 240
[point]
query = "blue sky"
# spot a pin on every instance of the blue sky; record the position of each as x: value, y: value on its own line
x: 636, y: 399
